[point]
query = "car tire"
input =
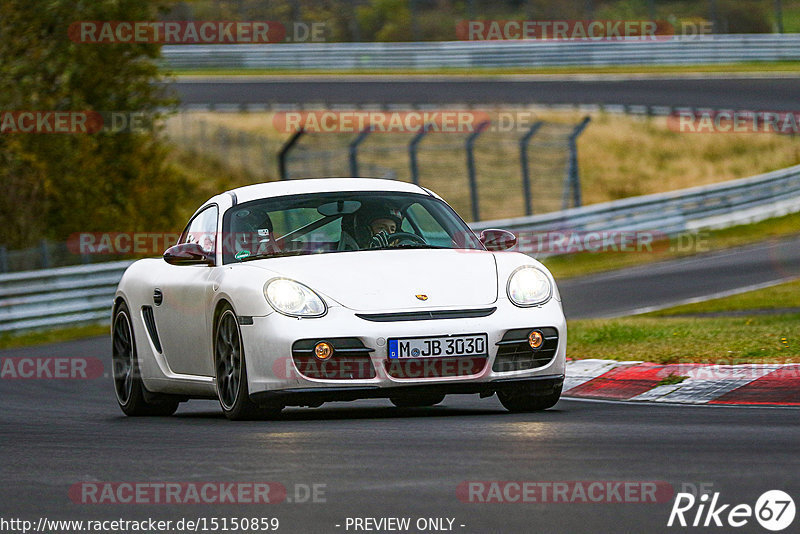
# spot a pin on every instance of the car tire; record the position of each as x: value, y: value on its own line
x: 528, y: 403
x: 132, y: 397
x: 231, y: 372
x: 417, y: 401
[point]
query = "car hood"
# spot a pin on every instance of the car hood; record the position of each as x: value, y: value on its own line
x: 380, y: 280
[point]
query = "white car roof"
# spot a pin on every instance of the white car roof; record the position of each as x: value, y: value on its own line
x: 321, y: 185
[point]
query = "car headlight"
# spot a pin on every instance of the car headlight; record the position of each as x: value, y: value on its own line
x: 293, y: 298
x: 528, y: 286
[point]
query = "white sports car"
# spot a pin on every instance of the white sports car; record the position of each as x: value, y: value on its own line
x: 310, y: 291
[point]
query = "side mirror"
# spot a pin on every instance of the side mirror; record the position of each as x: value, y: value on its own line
x: 188, y: 254
x: 497, y: 239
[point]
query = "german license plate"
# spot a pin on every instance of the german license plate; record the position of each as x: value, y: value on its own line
x: 438, y: 347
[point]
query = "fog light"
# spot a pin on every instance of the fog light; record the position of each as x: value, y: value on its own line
x: 535, y: 339
x: 323, y: 350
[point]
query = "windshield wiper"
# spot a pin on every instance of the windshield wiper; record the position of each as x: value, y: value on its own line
x: 265, y: 255
x: 414, y: 245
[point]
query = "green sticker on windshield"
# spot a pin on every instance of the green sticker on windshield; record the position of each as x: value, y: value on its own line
x: 242, y: 254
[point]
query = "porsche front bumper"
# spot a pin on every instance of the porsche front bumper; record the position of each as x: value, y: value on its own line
x: 274, y: 375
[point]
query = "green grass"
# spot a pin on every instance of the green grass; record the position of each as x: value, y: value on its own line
x: 777, y: 297
x: 30, y: 339
x: 791, y: 18
x: 672, y: 379
x: 663, y: 338
x: 571, y: 265
x: 756, y: 339
x: 744, y: 67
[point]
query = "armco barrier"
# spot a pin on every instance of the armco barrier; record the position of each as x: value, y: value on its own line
x: 708, y: 49
x: 58, y: 297
x: 713, y: 206
x: 83, y: 294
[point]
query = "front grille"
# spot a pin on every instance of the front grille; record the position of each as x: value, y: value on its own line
x: 434, y: 367
x: 515, y: 354
x: 350, y: 360
x: 426, y: 315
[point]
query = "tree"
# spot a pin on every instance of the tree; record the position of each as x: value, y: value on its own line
x: 57, y: 184
x: 385, y: 20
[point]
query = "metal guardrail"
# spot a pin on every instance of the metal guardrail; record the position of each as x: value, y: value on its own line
x: 83, y: 294
x: 742, y: 201
x: 708, y: 49
x: 58, y: 297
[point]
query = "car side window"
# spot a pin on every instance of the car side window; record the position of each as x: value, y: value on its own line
x: 203, y: 230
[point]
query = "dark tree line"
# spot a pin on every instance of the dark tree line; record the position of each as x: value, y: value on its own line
x: 55, y: 184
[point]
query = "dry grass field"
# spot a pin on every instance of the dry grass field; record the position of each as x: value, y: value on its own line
x: 619, y: 156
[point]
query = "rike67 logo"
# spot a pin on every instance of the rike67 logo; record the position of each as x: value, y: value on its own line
x: 774, y: 510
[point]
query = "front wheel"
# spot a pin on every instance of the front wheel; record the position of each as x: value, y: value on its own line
x: 231, y: 372
x: 132, y: 397
x: 529, y: 403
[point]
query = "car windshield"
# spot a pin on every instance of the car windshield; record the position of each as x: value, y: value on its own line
x: 340, y: 222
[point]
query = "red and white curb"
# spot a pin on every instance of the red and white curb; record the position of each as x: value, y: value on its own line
x: 764, y: 384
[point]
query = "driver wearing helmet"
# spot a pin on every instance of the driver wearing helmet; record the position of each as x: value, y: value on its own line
x: 384, y: 225
x: 379, y: 222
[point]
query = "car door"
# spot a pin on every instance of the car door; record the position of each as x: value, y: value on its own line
x: 186, y: 292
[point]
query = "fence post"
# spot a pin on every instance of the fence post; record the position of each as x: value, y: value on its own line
x: 353, y: 148
x: 3, y: 259
x: 572, y: 182
x: 523, y: 163
x: 45, y: 253
x: 412, y: 153
x: 284, y: 151
x: 715, y: 26
x: 473, y: 182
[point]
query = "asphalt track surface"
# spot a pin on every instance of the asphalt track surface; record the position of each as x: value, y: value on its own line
x: 741, y: 93
x: 669, y: 283
x: 376, y: 460
x: 379, y: 461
